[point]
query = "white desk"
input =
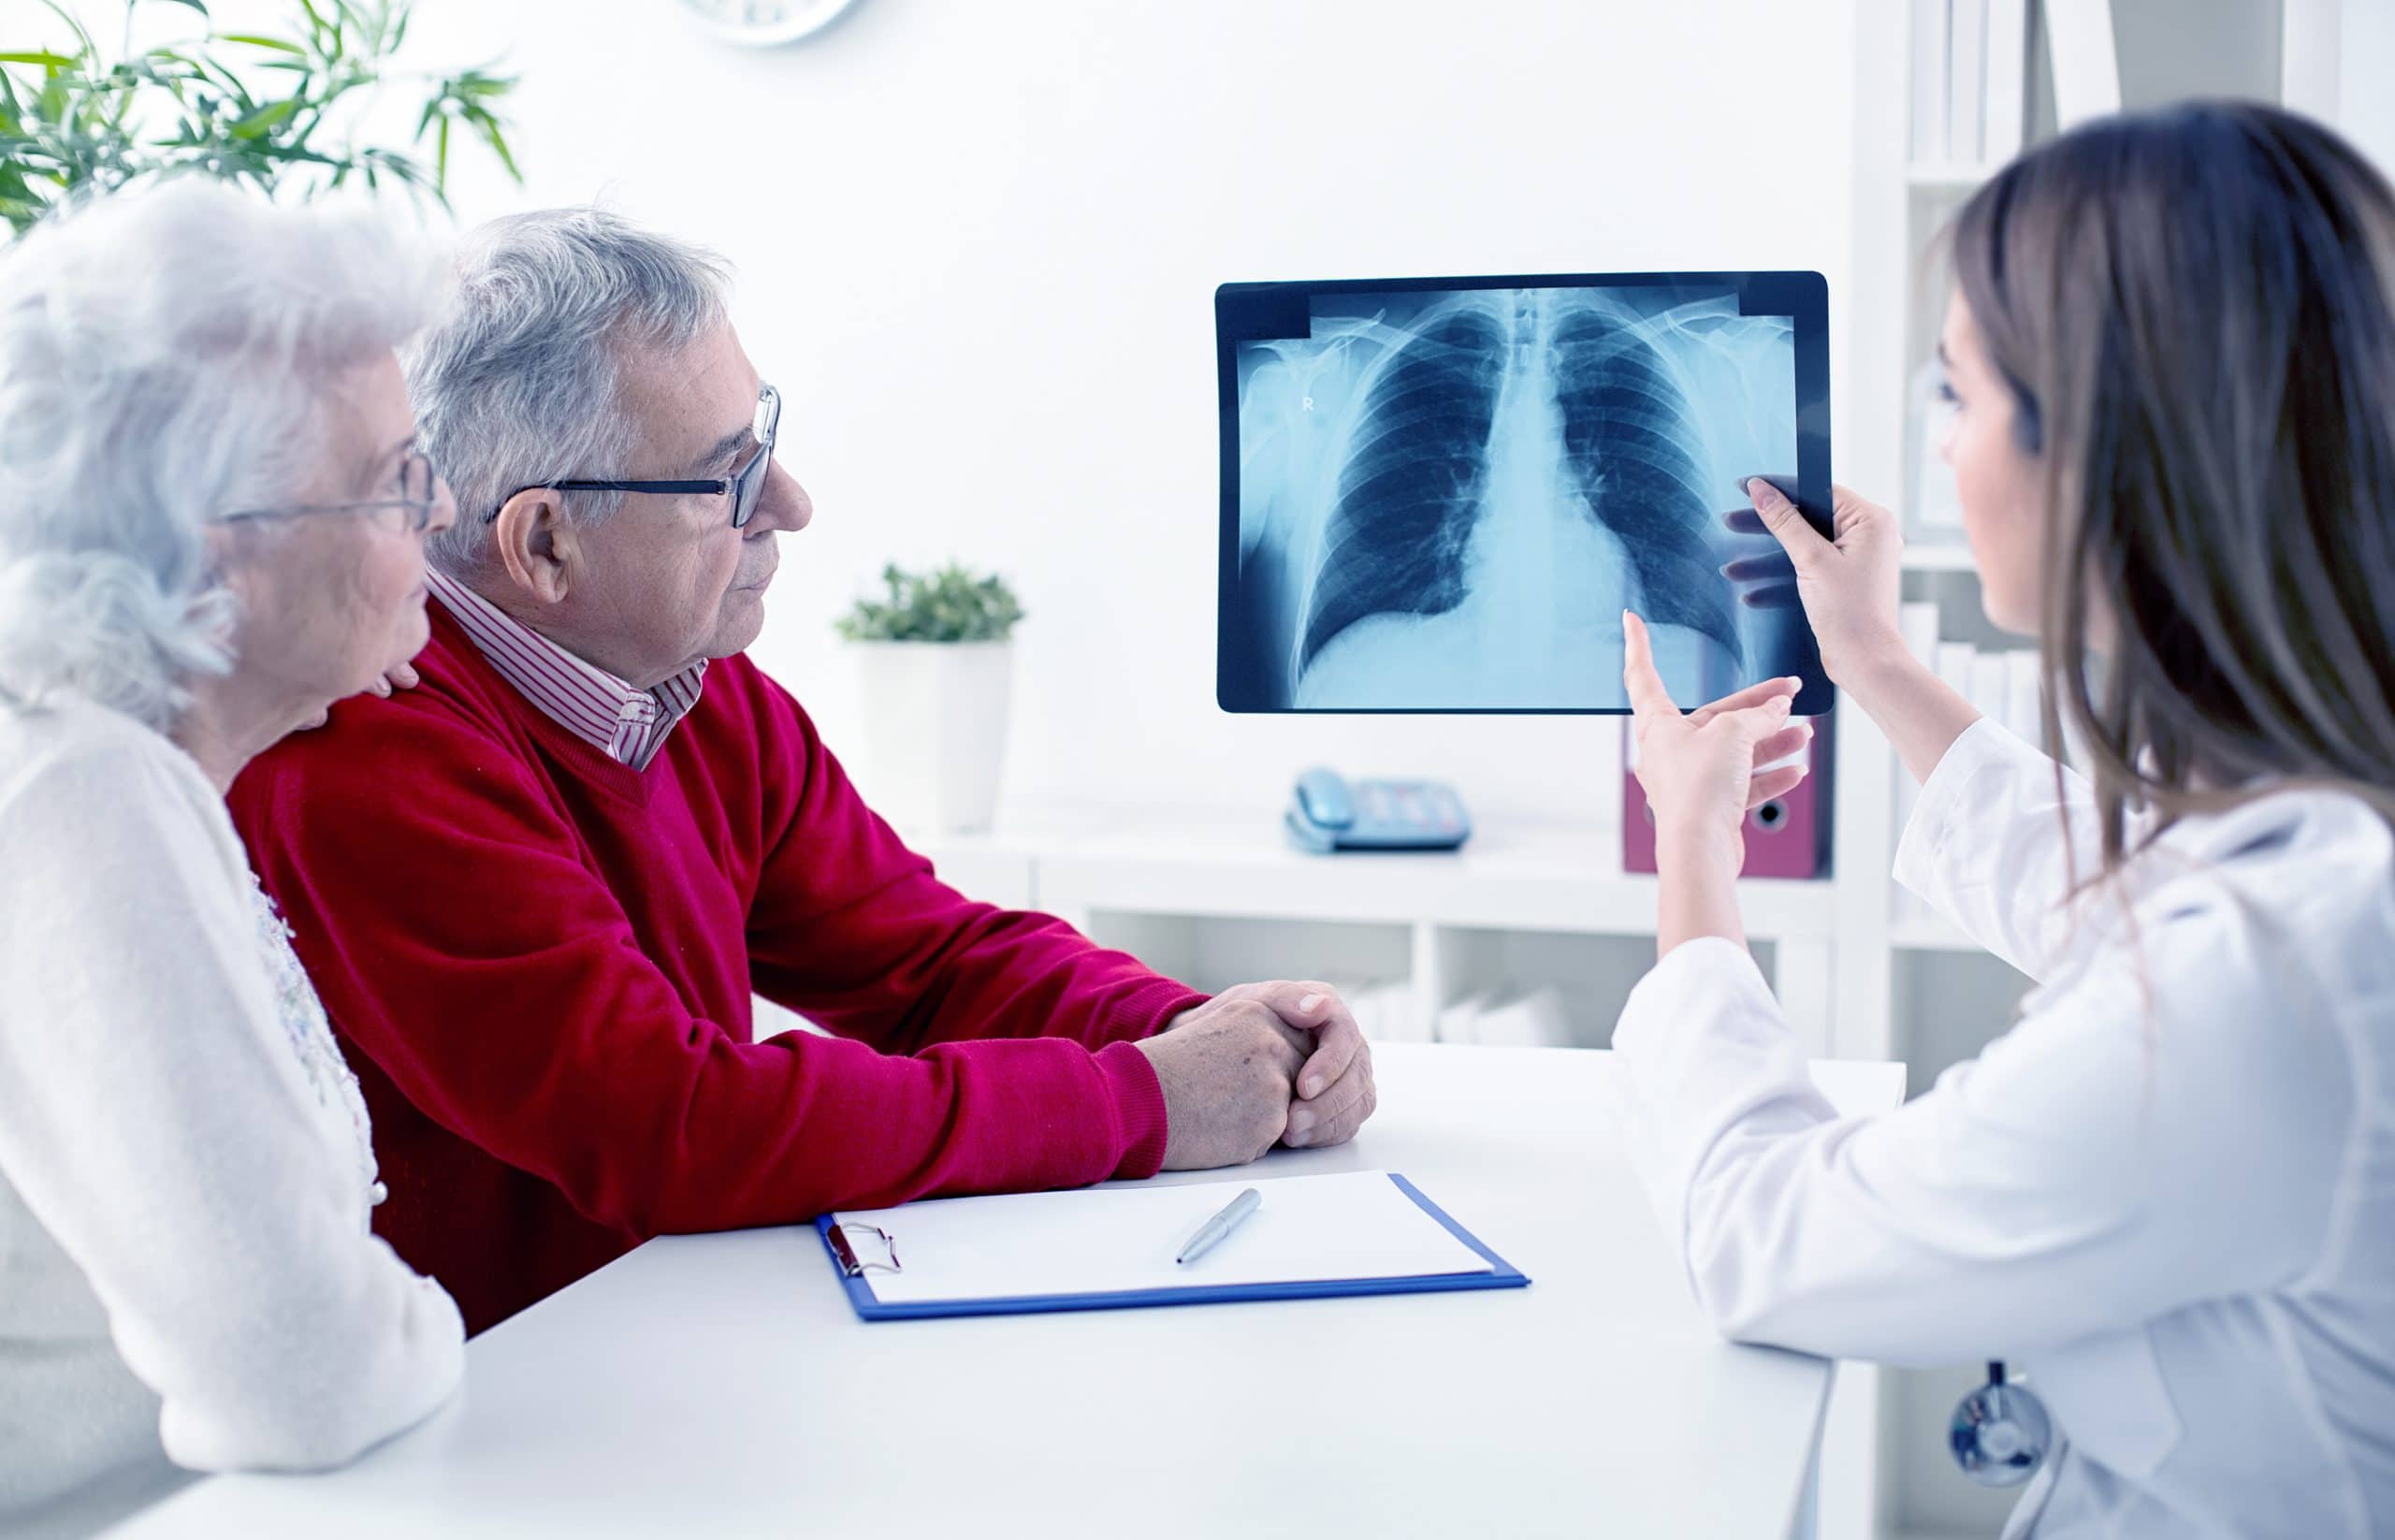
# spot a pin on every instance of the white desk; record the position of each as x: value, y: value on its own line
x: 719, y: 1385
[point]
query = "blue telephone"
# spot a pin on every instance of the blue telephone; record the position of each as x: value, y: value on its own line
x: 1326, y: 813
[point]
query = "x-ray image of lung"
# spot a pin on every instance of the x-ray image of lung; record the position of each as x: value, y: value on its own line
x: 1447, y: 498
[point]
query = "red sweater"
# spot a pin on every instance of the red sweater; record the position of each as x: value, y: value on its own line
x: 540, y: 962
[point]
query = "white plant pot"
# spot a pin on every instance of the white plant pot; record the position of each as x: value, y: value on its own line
x: 936, y: 730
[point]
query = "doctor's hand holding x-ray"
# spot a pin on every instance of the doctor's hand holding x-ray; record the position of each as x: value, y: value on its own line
x: 1703, y: 772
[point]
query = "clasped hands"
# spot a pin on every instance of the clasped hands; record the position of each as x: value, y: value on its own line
x: 1258, y: 1065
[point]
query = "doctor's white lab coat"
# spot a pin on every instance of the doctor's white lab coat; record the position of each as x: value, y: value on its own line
x: 2166, y: 1198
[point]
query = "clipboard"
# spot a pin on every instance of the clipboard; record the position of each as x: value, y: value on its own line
x: 853, y: 1260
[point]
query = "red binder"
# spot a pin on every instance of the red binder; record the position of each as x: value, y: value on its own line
x: 1787, y: 837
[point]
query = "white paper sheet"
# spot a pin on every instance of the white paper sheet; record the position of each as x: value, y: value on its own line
x: 1310, y: 1228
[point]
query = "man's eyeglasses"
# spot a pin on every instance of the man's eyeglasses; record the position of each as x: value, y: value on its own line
x: 419, y: 495
x: 746, y: 484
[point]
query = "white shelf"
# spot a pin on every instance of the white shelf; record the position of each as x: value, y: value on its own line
x: 1235, y: 864
x: 1956, y: 174
x: 1938, y: 557
x: 1922, y: 932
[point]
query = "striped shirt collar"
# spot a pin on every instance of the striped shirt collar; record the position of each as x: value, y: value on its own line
x: 626, y: 725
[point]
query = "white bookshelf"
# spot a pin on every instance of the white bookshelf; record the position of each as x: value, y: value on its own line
x: 1218, y: 896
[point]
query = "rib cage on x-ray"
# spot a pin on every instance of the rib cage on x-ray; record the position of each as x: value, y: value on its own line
x: 1475, y: 431
x: 1627, y: 432
x: 1412, y: 481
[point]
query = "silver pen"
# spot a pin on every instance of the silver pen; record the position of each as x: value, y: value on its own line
x: 1221, y: 1225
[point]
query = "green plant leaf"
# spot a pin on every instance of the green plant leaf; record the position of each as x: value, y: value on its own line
x: 488, y: 127
x: 277, y: 109
x: 216, y: 74
x: 949, y: 604
x: 258, y: 125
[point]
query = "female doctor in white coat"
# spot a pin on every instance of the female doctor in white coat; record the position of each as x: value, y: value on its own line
x: 2163, y: 1204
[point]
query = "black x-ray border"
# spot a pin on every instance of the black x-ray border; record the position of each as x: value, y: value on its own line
x: 1245, y: 313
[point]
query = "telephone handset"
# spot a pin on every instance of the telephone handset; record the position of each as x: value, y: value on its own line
x: 1329, y: 813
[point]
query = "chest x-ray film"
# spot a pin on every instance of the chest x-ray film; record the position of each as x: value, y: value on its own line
x: 1440, y: 494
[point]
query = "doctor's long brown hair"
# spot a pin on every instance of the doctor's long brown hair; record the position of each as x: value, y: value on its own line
x: 2195, y: 310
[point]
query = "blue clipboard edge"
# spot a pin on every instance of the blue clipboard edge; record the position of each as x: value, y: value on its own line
x: 1504, y: 1275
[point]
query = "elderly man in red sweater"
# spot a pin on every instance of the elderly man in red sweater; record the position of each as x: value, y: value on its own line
x: 538, y: 889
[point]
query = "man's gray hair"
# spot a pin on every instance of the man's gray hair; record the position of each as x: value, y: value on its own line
x: 521, y: 386
x: 168, y: 355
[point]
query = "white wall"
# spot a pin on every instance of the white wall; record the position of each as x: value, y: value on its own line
x: 977, y: 243
x: 2367, y: 53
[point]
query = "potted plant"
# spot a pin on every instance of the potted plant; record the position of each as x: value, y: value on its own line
x: 936, y: 659
x: 281, y: 111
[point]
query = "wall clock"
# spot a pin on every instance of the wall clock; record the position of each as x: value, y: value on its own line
x: 762, y: 23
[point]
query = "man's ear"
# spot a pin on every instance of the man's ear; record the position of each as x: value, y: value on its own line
x: 536, y: 542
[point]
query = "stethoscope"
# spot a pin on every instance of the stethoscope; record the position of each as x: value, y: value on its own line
x: 2000, y: 1432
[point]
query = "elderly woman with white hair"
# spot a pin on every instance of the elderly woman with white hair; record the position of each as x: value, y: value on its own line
x: 213, y: 516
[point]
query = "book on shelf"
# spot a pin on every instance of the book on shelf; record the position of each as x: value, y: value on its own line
x: 1385, y: 1010
x: 1936, y: 506
x: 1969, y: 77
x: 2001, y: 684
x: 1989, y: 690
x: 1954, y: 660
x: 1917, y: 622
x: 2023, y: 682
x: 1966, y: 79
x: 1510, y: 1015
x: 2008, y: 81
x: 1928, y: 140
x: 2086, y: 60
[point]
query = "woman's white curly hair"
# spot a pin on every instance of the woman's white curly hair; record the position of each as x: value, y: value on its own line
x: 168, y: 356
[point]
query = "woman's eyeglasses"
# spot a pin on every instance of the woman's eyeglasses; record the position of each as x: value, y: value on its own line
x: 419, y: 496
x: 746, y: 485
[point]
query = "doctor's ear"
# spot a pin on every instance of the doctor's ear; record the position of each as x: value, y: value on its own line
x: 2028, y: 421
x: 537, y: 544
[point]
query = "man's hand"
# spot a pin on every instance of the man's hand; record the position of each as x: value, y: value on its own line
x: 1334, y: 1092
x: 1225, y: 1068
x: 399, y: 675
